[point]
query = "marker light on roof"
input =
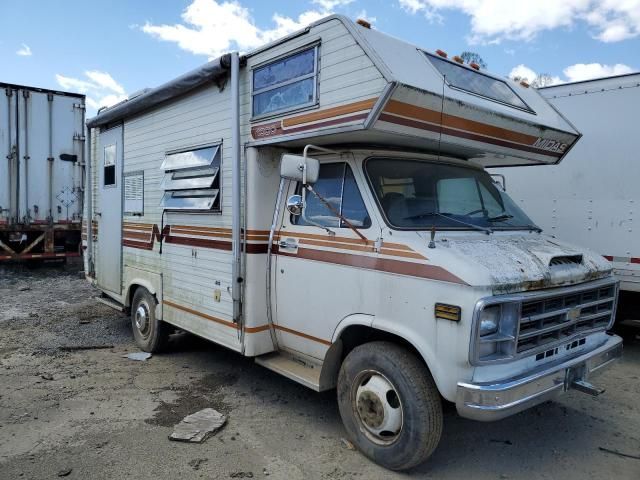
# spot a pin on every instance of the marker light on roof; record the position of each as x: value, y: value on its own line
x: 363, y: 23
x: 442, y: 53
x: 458, y: 59
x: 524, y: 84
x: 475, y: 66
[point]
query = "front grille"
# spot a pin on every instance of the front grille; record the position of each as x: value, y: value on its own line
x: 553, y: 319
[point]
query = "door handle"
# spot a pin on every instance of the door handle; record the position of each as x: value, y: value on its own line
x: 288, y: 243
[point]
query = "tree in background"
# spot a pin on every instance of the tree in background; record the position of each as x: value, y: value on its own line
x: 541, y: 80
x: 473, y: 57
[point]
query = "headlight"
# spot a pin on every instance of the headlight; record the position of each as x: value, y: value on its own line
x: 489, y: 318
x: 496, y: 330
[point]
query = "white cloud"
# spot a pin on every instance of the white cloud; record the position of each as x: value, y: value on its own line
x: 573, y: 73
x: 105, y: 81
x: 211, y: 27
x: 587, y: 71
x: 495, y: 20
x: 524, y: 72
x: 100, y: 88
x: 331, y: 4
x: 24, y: 51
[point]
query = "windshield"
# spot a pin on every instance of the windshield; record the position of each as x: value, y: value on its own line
x: 419, y: 195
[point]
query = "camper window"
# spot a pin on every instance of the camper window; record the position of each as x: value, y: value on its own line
x: 192, y: 179
x: 337, y: 185
x: 109, y: 174
x: 286, y: 83
x: 472, y: 81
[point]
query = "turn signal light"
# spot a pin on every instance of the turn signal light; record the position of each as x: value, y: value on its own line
x: 448, y: 312
x: 442, y: 53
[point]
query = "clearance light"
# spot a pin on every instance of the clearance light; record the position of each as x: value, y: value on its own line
x: 458, y: 59
x: 363, y: 23
x: 448, y: 312
x: 524, y: 84
x: 442, y: 53
x: 475, y: 66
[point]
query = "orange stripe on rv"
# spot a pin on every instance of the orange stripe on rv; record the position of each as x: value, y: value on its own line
x: 227, y: 323
x: 452, y: 121
x: 330, y: 112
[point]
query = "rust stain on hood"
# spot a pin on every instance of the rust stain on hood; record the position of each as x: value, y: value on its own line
x: 524, y: 262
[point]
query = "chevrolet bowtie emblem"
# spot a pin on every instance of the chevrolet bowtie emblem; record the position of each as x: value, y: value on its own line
x: 573, y: 314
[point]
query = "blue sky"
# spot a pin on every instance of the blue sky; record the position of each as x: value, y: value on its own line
x: 111, y: 49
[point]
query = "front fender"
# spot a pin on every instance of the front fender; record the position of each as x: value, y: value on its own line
x: 424, y: 348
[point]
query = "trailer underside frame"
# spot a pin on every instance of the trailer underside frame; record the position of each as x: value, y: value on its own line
x: 39, y: 241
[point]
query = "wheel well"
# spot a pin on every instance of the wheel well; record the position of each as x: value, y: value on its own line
x: 350, y: 338
x: 130, y: 294
x: 356, y: 335
x: 133, y: 288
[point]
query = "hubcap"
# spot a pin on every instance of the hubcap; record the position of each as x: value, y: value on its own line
x: 378, y: 406
x: 142, y: 318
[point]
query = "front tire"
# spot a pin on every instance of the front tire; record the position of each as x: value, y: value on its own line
x: 390, y: 405
x: 150, y: 334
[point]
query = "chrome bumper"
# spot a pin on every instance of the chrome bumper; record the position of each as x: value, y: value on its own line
x: 493, y: 401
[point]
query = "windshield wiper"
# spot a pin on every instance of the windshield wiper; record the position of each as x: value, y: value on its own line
x: 500, y: 218
x: 448, y: 216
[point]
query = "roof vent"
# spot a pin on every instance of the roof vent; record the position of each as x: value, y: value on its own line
x: 566, y: 260
x: 363, y: 23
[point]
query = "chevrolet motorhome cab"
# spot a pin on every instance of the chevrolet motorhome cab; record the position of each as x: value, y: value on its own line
x: 321, y: 204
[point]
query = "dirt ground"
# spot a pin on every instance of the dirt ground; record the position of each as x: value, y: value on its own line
x: 92, y: 414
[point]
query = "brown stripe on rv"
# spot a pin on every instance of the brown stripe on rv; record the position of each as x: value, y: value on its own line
x: 344, y: 243
x: 200, y: 314
x: 329, y: 112
x: 260, y: 328
x: 303, y: 335
x: 457, y: 133
x: 399, y: 267
x: 326, y: 238
x: 432, y: 116
x: 275, y: 128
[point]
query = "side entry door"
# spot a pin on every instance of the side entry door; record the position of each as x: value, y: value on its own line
x: 109, y: 210
x: 322, y: 272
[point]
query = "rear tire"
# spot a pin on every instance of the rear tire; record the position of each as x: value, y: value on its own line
x: 150, y: 334
x: 390, y: 405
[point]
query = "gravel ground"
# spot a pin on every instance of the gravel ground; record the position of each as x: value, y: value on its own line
x: 92, y: 414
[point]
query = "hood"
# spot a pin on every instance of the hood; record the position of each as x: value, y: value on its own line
x: 516, y: 263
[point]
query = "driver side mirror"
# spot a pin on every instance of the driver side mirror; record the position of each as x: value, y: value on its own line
x: 299, y: 168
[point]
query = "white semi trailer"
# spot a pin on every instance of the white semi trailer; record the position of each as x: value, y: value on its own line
x: 592, y: 197
x: 41, y: 172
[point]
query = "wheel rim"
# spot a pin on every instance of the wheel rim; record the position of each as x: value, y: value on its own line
x: 141, y: 319
x: 378, y: 407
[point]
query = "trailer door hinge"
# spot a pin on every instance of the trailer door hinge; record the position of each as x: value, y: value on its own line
x: 79, y: 137
x: 79, y: 106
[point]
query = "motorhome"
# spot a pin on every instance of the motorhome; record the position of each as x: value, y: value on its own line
x: 587, y: 201
x: 41, y: 173
x: 321, y: 204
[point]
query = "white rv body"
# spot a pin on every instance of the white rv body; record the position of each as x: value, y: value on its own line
x: 239, y: 270
x: 592, y: 197
x: 41, y: 172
